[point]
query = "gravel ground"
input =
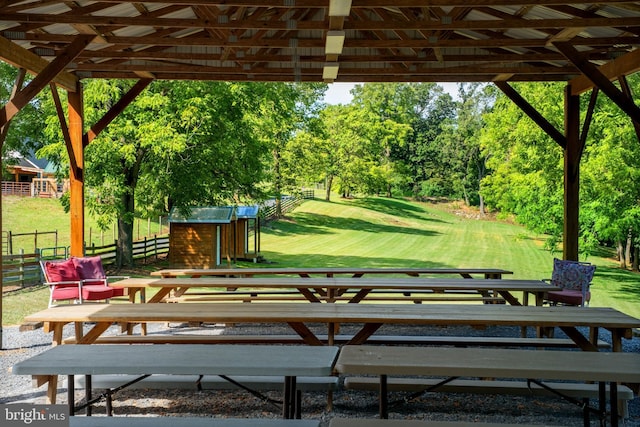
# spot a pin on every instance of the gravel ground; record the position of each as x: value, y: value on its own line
x: 18, y: 346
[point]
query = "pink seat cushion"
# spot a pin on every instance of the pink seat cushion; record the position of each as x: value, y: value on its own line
x: 91, y: 268
x: 96, y: 292
x: 60, y: 293
x: 568, y: 296
x: 62, y: 271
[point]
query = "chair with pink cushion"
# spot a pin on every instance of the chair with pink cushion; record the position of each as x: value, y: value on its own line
x: 575, y: 279
x: 78, y: 280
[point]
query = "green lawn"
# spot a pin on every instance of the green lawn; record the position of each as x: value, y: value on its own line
x: 380, y: 232
x: 389, y: 232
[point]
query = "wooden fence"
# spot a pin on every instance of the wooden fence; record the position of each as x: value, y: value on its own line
x: 145, y: 249
x: 287, y: 204
x: 19, y: 271
x: 10, y: 188
x: 23, y: 270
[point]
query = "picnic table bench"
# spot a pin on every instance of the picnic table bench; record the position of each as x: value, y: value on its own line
x: 186, y: 422
x: 534, y: 365
x: 352, y: 290
x: 350, y: 422
x: 187, y: 359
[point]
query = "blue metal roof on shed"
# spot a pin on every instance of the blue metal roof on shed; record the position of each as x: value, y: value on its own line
x: 204, y: 215
x: 247, y: 211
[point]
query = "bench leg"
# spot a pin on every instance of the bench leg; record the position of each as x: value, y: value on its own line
x: 384, y: 400
x: 88, y: 394
x: 71, y: 395
x: 613, y: 403
x: 290, y: 401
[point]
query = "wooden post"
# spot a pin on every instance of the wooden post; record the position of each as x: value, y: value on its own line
x: 572, y: 154
x: 76, y: 175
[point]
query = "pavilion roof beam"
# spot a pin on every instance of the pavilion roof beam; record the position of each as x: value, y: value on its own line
x: 283, y: 25
x: 601, y: 80
x: 22, y: 58
x: 76, y: 170
x: 358, y: 4
x: 533, y: 114
x: 47, y: 75
x: 115, y: 110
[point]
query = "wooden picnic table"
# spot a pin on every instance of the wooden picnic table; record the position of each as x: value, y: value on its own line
x: 370, y: 316
x: 352, y: 290
x: 185, y: 359
x: 467, y: 273
x: 533, y: 365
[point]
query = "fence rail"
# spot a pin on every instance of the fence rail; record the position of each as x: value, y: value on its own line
x: 142, y: 249
x: 10, y: 188
x: 287, y: 204
x: 23, y: 270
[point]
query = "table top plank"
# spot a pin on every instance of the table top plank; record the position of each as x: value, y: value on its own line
x: 499, y: 363
x: 416, y: 314
x: 177, y: 359
x: 325, y: 271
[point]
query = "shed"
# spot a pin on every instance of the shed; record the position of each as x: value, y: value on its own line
x: 201, y: 240
x: 247, y: 233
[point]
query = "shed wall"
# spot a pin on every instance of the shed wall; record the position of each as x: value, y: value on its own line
x: 193, y: 245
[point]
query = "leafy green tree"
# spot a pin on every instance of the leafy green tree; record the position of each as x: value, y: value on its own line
x: 281, y: 110
x: 460, y: 155
x: 526, y: 165
x: 25, y: 132
x: 178, y: 144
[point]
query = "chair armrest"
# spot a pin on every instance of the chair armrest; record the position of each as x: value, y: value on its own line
x: 70, y: 282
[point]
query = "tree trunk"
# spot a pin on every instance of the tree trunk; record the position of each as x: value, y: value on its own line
x: 124, y: 249
x: 636, y: 255
x: 125, y: 243
x: 277, y: 182
x: 620, y: 250
x: 627, y: 249
x: 329, y: 181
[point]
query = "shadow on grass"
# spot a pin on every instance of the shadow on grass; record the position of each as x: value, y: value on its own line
x: 319, y: 260
x: 395, y: 207
x: 308, y: 223
x: 628, y: 283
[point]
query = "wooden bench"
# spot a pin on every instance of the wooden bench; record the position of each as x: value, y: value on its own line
x: 456, y: 341
x: 533, y: 365
x: 142, y: 361
x: 479, y: 386
x: 349, y: 422
x: 185, y: 422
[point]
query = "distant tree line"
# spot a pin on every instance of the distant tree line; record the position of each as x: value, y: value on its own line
x: 182, y: 144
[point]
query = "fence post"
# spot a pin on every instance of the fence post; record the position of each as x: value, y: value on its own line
x: 155, y: 246
x: 21, y: 268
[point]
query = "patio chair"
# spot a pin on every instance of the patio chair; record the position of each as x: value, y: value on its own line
x: 575, y: 279
x: 65, y: 284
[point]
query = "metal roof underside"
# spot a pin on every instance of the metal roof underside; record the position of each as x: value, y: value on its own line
x: 321, y: 40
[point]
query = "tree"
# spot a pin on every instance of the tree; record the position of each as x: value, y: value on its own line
x: 526, y: 165
x: 464, y: 163
x: 25, y: 132
x: 177, y: 145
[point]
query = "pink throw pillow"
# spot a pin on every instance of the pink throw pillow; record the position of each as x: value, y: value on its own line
x: 62, y: 271
x: 89, y: 267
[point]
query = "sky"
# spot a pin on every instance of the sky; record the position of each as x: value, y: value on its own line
x: 338, y: 93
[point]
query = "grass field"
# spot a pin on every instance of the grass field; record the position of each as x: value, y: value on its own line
x: 372, y: 232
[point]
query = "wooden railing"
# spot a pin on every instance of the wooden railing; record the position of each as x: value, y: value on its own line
x: 10, y: 188
x: 142, y: 249
x: 19, y: 271
x: 287, y: 204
